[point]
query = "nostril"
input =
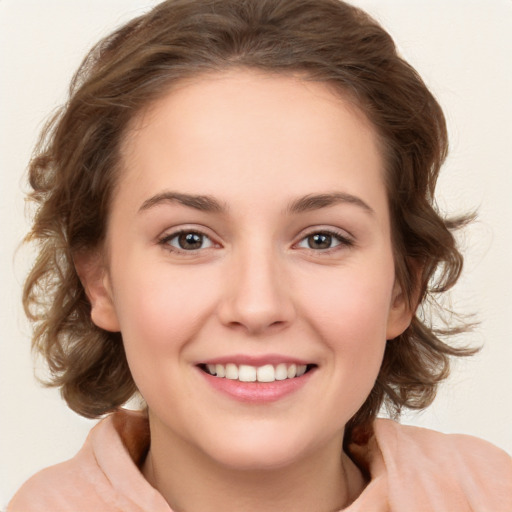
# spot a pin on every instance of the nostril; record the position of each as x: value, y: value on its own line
x: 254, y: 303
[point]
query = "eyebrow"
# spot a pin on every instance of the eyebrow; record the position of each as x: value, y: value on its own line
x: 318, y: 201
x: 207, y: 203
x: 198, y: 202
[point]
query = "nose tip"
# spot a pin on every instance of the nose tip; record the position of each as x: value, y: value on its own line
x: 257, y: 300
x: 256, y: 320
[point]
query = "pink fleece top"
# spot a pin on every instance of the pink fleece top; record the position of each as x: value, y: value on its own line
x: 411, y: 469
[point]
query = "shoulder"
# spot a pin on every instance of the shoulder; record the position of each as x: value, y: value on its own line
x: 454, y: 469
x: 54, y: 488
x: 103, y: 475
x: 472, y: 452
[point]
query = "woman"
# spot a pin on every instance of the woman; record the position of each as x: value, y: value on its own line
x: 236, y: 221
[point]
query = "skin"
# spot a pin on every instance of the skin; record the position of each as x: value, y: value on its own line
x: 258, y: 285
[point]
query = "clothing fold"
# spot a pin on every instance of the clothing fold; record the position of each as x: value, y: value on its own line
x: 411, y: 470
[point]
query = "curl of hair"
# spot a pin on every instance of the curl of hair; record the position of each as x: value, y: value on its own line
x: 75, y: 167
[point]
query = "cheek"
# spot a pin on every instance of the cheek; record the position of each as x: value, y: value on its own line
x: 160, y: 315
x: 350, y: 313
x: 353, y: 301
x: 349, y: 317
x: 161, y: 310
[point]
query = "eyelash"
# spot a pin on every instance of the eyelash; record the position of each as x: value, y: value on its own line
x: 166, y: 241
x: 343, y: 241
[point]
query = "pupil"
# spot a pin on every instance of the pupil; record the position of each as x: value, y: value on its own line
x: 320, y: 241
x: 190, y: 241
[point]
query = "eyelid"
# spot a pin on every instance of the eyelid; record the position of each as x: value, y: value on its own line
x: 171, y: 233
x: 344, y: 238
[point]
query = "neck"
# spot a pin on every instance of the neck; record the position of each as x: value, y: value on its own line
x: 190, y: 481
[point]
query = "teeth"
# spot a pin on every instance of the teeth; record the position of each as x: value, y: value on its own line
x: 281, y: 371
x: 266, y: 373
x: 232, y: 372
x: 247, y: 373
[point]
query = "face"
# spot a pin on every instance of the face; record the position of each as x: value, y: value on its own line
x: 249, y: 266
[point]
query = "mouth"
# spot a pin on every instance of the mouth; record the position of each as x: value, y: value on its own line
x: 264, y: 373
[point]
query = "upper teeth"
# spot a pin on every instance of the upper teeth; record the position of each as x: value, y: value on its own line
x: 247, y: 373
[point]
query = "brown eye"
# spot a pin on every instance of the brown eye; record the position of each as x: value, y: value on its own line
x: 319, y: 241
x: 188, y: 241
x: 324, y: 240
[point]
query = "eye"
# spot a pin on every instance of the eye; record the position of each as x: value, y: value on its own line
x: 187, y: 241
x: 324, y: 240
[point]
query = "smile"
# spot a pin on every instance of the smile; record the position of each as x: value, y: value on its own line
x: 261, y: 382
x: 248, y: 373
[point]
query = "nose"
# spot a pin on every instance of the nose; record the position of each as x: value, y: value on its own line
x: 257, y: 296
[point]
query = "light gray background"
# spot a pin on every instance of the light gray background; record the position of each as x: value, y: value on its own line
x: 462, y: 48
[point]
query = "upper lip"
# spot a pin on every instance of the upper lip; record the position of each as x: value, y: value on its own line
x: 253, y: 360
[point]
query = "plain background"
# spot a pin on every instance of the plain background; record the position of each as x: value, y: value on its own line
x: 462, y: 48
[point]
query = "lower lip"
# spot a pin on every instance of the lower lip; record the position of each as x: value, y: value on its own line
x: 257, y: 392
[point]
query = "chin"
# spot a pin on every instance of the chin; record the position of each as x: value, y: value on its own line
x: 262, y: 451
x: 256, y: 459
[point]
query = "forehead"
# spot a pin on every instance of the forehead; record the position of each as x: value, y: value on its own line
x: 252, y: 131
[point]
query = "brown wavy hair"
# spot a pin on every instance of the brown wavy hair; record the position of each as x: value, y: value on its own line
x: 77, y: 162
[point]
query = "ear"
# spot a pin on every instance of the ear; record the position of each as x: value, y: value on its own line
x: 400, y: 313
x: 95, y: 279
